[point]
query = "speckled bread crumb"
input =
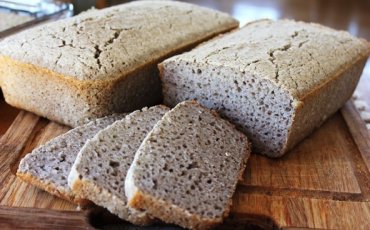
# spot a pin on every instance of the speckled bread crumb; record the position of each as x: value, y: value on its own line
x: 277, y: 80
x: 186, y: 170
x: 99, y: 171
x: 102, y: 61
x: 48, y: 166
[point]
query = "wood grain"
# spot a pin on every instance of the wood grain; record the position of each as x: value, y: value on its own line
x: 313, y: 165
x: 31, y: 218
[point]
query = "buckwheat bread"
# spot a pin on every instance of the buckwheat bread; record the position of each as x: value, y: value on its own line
x: 102, y: 61
x: 276, y: 80
x: 99, y: 171
x: 48, y: 166
x: 186, y: 170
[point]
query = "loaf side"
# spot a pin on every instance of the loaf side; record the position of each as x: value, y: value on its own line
x: 70, y: 101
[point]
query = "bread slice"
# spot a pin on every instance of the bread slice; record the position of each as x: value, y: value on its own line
x: 48, y: 166
x: 186, y: 170
x: 101, y: 61
x: 99, y: 171
x: 277, y: 80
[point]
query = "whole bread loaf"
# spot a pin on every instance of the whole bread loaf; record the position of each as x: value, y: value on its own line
x: 100, y: 169
x: 49, y: 165
x: 186, y: 170
x: 102, y: 61
x: 277, y: 80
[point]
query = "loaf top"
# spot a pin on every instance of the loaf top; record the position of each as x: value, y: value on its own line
x: 109, y: 43
x: 296, y: 56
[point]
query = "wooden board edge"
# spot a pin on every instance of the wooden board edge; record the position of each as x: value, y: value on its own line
x: 359, y: 132
x: 34, y: 218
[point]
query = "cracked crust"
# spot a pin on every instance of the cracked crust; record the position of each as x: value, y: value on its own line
x: 103, y: 61
x: 280, y: 80
x: 85, y: 47
x: 285, y: 52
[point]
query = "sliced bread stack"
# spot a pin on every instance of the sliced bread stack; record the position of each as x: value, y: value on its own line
x: 186, y: 170
x: 100, y: 169
x: 179, y: 165
x: 48, y: 166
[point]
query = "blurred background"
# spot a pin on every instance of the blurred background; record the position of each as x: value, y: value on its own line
x: 353, y: 16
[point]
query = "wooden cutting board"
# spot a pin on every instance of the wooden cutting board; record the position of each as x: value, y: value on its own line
x: 324, y: 183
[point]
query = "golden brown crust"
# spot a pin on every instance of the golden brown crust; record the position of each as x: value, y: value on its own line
x: 165, y: 211
x: 333, y: 93
x: 50, y: 188
x: 80, y: 186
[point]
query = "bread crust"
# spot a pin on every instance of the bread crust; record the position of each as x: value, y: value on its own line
x: 158, y: 208
x: 79, y: 186
x: 333, y: 94
x: 50, y: 188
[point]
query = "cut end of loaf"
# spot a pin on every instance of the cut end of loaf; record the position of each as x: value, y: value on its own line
x: 256, y: 106
x: 290, y: 61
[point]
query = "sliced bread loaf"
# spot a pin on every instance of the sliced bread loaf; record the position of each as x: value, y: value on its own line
x: 48, y: 166
x: 99, y: 171
x: 102, y: 61
x: 186, y: 170
x: 277, y: 80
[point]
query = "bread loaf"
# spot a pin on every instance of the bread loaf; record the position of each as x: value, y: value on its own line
x: 48, y: 166
x: 99, y: 171
x: 277, y: 80
x: 186, y: 170
x: 102, y: 61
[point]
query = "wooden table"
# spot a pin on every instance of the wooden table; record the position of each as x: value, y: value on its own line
x: 324, y: 183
